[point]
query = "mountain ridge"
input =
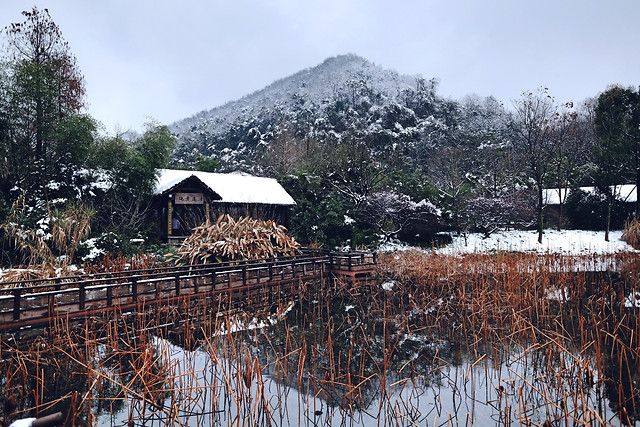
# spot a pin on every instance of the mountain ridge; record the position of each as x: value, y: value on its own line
x: 314, y: 83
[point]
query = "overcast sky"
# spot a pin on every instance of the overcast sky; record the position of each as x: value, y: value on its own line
x: 166, y: 59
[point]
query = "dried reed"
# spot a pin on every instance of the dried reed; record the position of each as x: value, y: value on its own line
x: 534, y: 340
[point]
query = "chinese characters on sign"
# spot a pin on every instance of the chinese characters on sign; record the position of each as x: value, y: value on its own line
x: 188, y: 199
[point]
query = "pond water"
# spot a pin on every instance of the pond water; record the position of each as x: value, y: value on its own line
x: 254, y: 377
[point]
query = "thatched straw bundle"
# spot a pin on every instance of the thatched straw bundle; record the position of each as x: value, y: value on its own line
x: 229, y: 240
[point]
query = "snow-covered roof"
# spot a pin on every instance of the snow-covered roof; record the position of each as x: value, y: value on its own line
x: 232, y: 187
x: 625, y: 193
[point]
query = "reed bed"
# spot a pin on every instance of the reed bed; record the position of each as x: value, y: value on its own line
x: 508, y: 339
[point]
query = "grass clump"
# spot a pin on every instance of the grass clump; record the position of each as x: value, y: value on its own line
x: 631, y: 233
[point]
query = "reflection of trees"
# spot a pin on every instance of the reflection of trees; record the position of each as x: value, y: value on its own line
x: 349, y: 361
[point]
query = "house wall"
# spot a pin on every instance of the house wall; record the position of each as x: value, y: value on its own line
x: 185, y: 217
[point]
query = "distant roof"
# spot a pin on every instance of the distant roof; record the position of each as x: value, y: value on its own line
x: 625, y: 193
x: 232, y: 187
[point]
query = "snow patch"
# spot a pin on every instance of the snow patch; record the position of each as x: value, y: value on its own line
x: 565, y: 242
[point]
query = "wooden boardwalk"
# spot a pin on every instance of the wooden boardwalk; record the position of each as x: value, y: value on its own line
x: 39, y: 302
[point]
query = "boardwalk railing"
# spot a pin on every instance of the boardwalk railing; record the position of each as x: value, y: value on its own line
x: 36, y: 302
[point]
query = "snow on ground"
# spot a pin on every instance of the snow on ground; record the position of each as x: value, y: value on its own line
x: 565, y: 242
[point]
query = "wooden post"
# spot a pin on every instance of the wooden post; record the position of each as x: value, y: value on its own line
x: 177, y: 283
x: 169, y: 217
x: 82, y: 296
x: 134, y: 289
x: 109, y: 296
x: 16, y: 304
x: 213, y: 280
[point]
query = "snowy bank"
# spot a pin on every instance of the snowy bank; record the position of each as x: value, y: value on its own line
x: 566, y: 242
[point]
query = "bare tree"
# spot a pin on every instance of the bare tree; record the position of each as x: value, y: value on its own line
x: 532, y: 125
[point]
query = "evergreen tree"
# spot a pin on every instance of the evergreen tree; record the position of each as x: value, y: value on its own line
x: 43, y: 135
x: 617, y: 142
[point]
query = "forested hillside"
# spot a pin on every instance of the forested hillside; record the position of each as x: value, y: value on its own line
x: 351, y: 140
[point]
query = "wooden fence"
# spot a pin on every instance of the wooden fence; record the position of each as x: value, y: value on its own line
x: 38, y: 302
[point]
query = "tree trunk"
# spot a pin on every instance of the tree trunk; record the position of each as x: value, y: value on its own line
x: 560, y: 204
x: 637, y: 216
x: 606, y: 232
x: 540, y: 216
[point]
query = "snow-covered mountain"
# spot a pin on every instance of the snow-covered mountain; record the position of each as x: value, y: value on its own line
x: 344, y: 97
x: 315, y: 85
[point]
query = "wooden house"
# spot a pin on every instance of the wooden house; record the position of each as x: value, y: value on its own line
x: 185, y: 199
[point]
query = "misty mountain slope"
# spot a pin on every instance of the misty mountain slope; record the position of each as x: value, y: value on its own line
x: 315, y: 85
x: 346, y: 100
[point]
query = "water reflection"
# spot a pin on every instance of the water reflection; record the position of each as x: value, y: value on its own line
x: 385, y: 373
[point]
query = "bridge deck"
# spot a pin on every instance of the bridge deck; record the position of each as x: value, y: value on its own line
x: 39, y: 302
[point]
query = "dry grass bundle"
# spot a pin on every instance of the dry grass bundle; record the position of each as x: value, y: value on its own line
x: 229, y: 240
x: 69, y: 227
x: 631, y: 233
x: 28, y: 242
x: 37, y: 251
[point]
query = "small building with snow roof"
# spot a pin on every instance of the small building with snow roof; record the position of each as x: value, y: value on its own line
x: 185, y: 199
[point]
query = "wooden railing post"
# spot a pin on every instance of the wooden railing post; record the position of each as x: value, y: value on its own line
x: 134, y: 289
x: 271, y: 271
x: 51, y: 305
x: 82, y: 296
x: 16, y: 304
x: 244, y: 275
x: 213, y: 280
x: 177, y: 284
x: 109, y: 296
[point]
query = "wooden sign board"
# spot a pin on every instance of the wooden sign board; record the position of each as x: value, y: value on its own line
x: 188, y: 198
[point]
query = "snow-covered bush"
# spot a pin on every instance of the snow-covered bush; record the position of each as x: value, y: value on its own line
x: 392, y: 213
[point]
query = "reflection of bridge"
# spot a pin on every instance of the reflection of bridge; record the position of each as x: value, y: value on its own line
x: 39, y: 302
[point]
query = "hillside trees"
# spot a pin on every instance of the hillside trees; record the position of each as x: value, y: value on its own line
x: 566, y: 151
